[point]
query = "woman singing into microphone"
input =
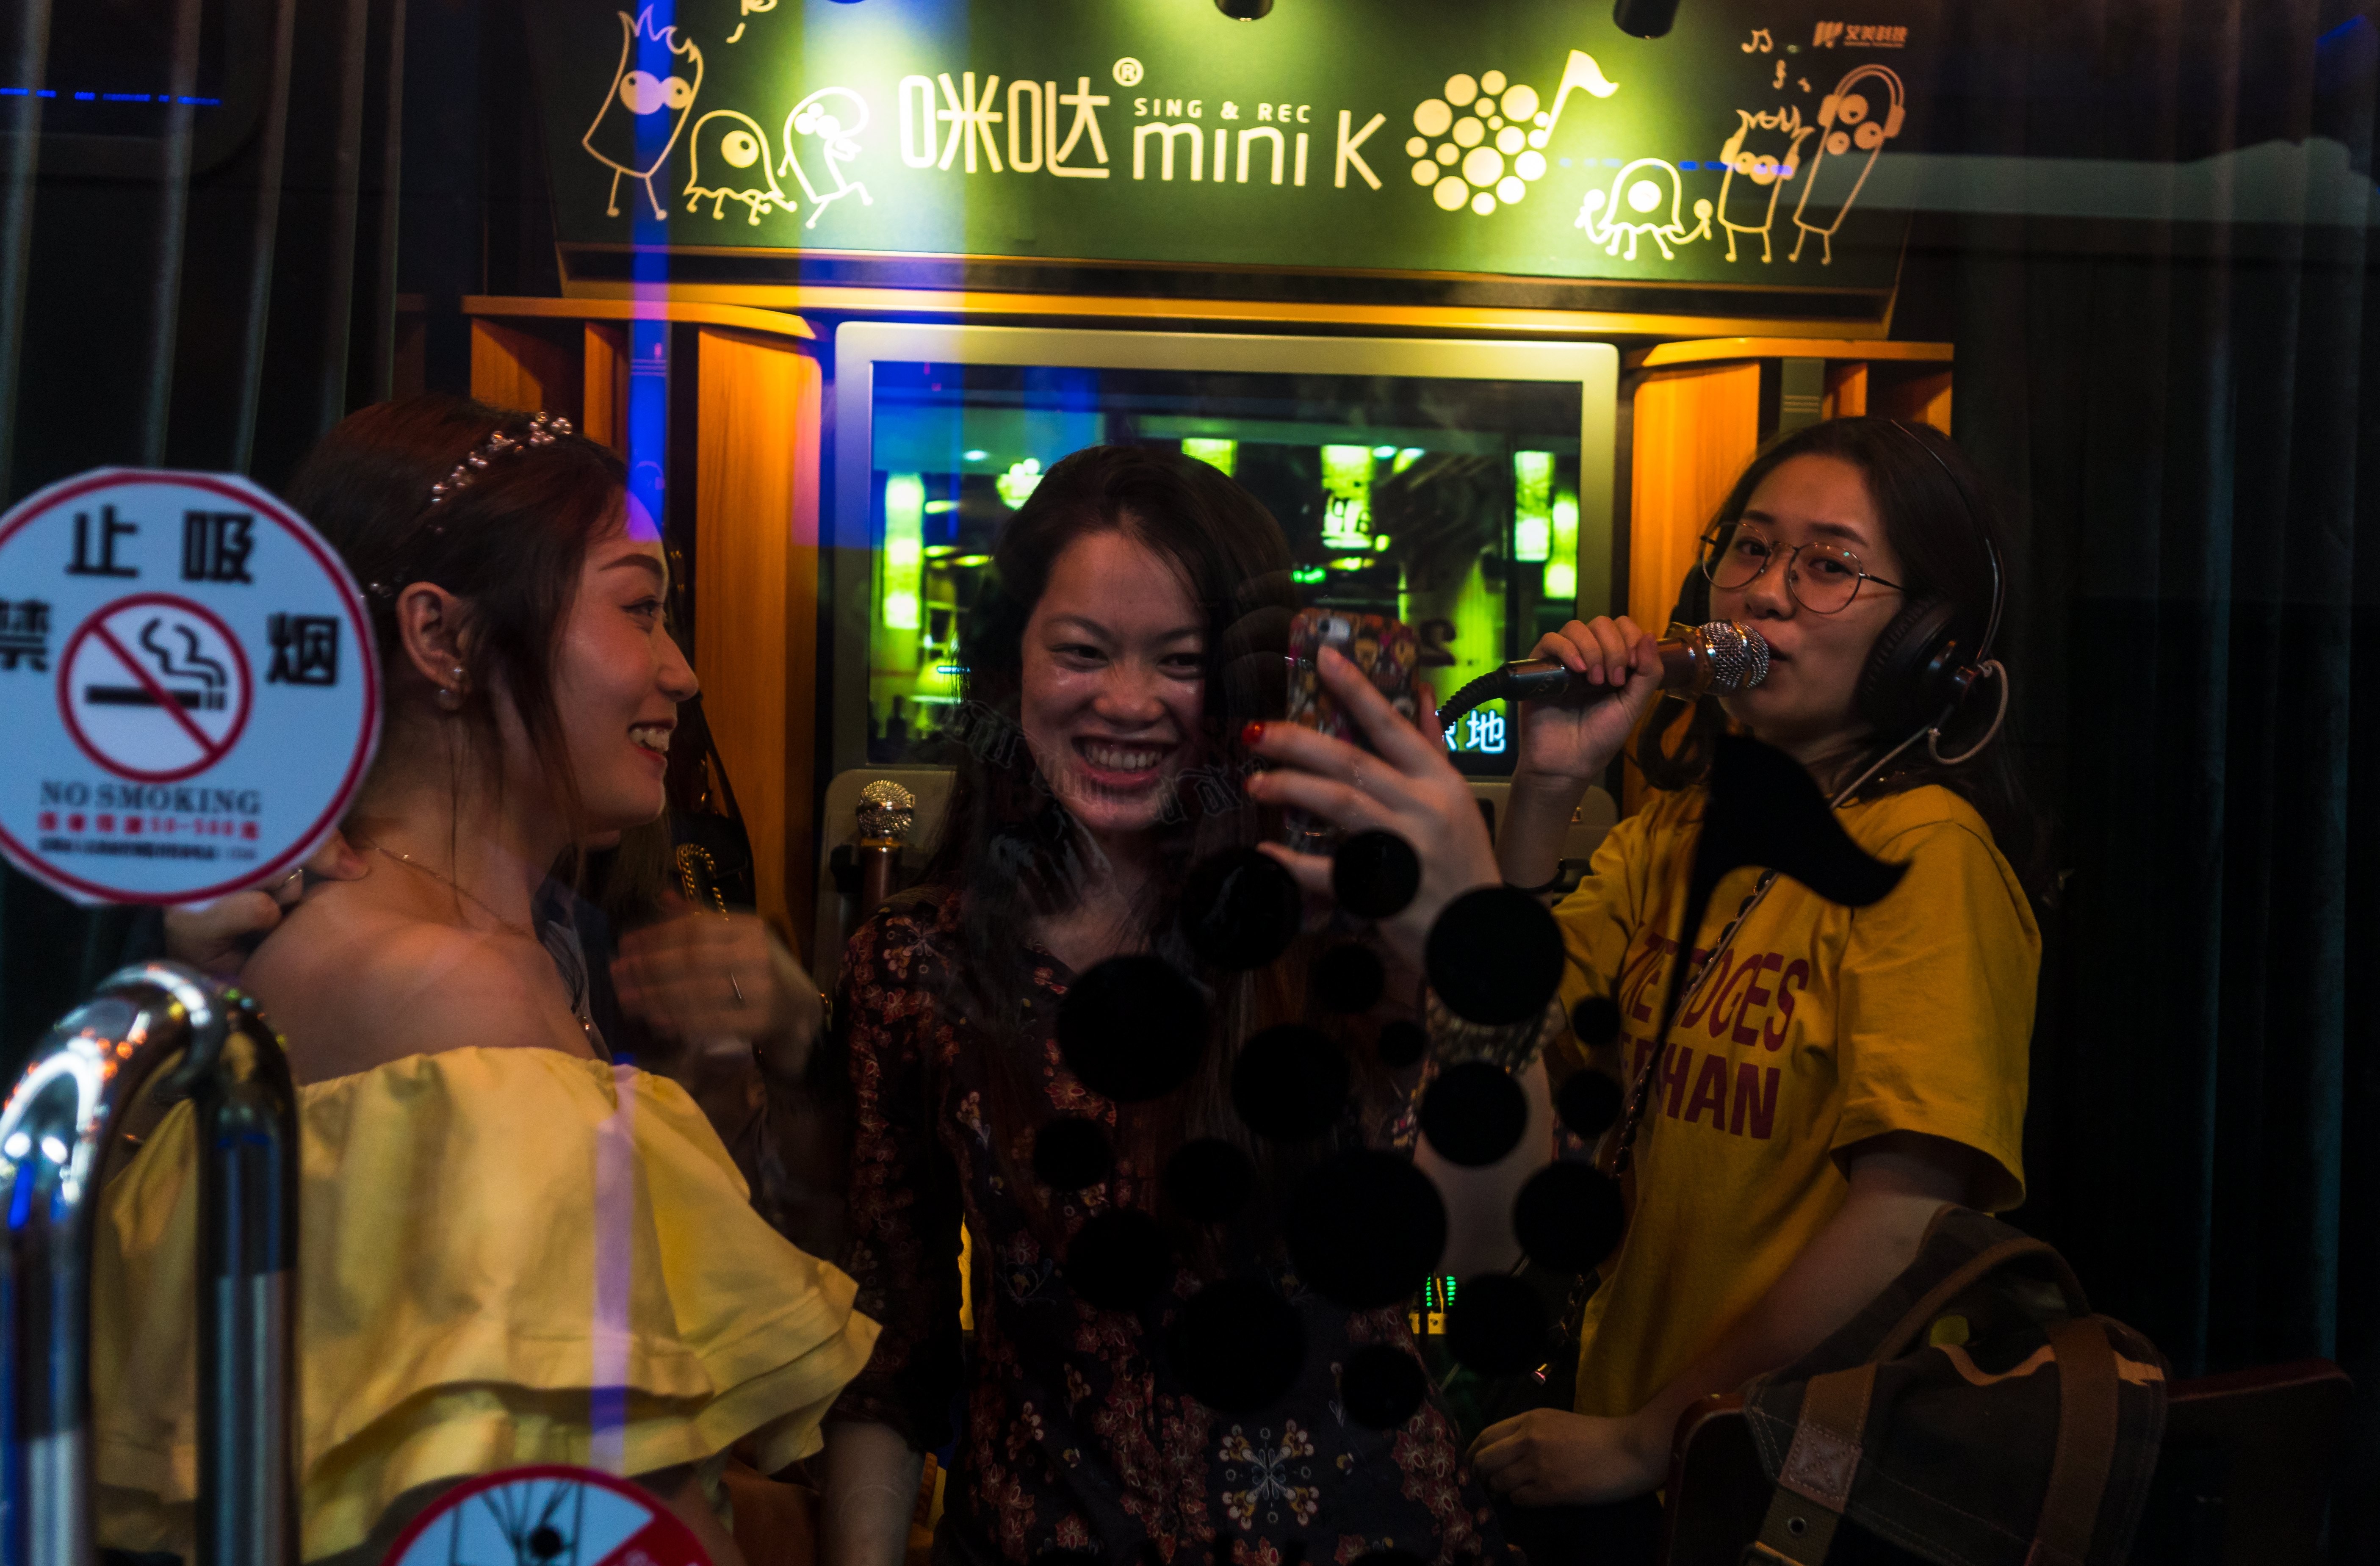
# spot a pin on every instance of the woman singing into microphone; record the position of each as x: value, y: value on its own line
x: 1840, y: 1075
x: 513, y: 1251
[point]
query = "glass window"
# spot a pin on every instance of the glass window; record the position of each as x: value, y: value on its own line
x: 1450, y: 505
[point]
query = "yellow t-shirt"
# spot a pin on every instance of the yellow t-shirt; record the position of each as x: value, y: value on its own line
x: 1819, y: 1027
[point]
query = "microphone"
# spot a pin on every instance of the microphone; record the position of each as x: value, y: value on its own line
x: 1721, y: 658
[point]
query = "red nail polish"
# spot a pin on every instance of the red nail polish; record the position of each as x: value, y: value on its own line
x: 1251, y: 734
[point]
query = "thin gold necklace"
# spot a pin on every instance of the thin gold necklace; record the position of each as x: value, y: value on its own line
x: 407, y: 860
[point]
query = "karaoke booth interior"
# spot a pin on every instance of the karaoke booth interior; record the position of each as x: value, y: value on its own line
x: 1490, y: 305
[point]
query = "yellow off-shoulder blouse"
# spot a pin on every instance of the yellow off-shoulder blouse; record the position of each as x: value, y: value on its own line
x: 448, y: 1320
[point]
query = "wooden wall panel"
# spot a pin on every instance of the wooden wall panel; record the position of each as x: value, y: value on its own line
x: 1846, y: 391
x: 1921, y: 399
x: 1696, y: 430
x: 607, y: 384
x: 527, y: 370
x: 756, y: 580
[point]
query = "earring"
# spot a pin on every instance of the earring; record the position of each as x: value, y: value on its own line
x: 449, y: 698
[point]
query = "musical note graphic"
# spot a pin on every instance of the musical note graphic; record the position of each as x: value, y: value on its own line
x: 1579, y: 71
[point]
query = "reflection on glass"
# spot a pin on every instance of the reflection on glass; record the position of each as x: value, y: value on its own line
x: 1450, y: 504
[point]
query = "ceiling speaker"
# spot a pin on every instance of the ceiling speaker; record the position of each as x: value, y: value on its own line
x: 1641, y: 19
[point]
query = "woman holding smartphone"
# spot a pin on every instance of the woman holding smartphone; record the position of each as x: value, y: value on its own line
x: 1840, y: 1074
x: 1103, y: 679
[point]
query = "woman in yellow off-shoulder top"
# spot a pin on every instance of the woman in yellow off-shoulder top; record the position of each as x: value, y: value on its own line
x: 512, y: 1251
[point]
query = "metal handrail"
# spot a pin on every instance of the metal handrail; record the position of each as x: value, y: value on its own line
x: 54, y: 1132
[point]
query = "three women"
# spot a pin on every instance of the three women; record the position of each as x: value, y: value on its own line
x: 1850, y: 1074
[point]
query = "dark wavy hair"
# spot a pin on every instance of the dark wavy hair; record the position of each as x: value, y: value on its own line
x: 511, y: 544
x: 1009, y: 848
x: 1939, y: 520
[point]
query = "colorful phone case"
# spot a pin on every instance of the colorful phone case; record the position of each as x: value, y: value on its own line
x: 1384, y: 649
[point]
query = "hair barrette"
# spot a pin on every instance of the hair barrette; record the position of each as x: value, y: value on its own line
x: 543, y: 430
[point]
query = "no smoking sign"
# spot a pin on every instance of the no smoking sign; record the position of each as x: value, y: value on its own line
x: 189, y: 676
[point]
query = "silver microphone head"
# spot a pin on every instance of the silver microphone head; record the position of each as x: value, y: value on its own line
x: 1738, y: 654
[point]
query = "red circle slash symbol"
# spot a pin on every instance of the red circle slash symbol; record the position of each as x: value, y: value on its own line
x: 154, y: 688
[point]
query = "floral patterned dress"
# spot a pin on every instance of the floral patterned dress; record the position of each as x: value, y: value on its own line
x: 1076, y: 1435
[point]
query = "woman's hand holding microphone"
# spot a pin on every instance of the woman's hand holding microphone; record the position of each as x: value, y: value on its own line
x: 1566, y: 743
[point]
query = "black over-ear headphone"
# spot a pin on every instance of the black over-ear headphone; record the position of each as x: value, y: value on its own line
x: 1918, y: 674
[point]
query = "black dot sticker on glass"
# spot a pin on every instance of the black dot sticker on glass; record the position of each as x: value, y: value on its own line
x: 1236, y: 1345
x: 1349, y: 979
x: 1365, y: 1227
x: 1375, y: 874
x: 1208, y: 1180
x: 1401, y: 1043
x: 1494, y: 956
x: 1474, y: 1114
x: 1119, y: 1260
x: 1496, y: 1325
x: 1239, y: 909
x: 1595, y: 1022
x: 1133, y: 1028
x: 1589, y: 1102
x: 1569, y: 1216
x: 1290, y: 1083
x: 1382, y: 1385
x: 1071, y: 1153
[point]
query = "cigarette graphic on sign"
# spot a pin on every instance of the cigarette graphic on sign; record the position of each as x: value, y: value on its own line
x: 154, y: 688
x: 190, y: 664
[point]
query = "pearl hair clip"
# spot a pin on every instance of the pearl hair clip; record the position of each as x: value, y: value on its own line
x: 543, y: 430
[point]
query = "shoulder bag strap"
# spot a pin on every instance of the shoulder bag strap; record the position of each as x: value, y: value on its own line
x: 1815, y: 1486
x: 1915, y: 1319
x: 2087, y: 1419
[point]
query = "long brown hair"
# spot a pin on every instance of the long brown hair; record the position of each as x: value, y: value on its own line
x: 511, y: 544
x: 1939, y: 520
x: 1011, y: 852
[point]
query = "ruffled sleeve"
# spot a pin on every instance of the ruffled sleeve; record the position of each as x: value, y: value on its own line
x: 486, y: 1236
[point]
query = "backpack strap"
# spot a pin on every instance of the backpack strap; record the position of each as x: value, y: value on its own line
x: 2079, y: 1465
x: 1815, y: 1486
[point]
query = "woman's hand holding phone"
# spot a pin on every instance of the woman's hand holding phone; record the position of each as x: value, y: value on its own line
x: 1408, y: 788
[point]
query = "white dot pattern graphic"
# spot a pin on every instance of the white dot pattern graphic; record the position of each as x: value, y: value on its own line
x: 1490, y: 131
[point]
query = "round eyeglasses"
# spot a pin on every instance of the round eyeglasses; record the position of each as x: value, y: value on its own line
x: 1822, y: 578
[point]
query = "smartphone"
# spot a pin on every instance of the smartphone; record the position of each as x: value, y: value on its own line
x: 1384, y: 649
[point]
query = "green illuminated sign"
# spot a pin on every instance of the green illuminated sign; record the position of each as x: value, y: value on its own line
x: 1528, y: 137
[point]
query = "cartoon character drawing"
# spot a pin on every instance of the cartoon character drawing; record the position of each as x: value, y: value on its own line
x: 1767, y: 168
x: 646, y: 105
x: 835, y: 116
x: 737, y: 142
x: 1653, y: 189
x: 1851, y: 126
